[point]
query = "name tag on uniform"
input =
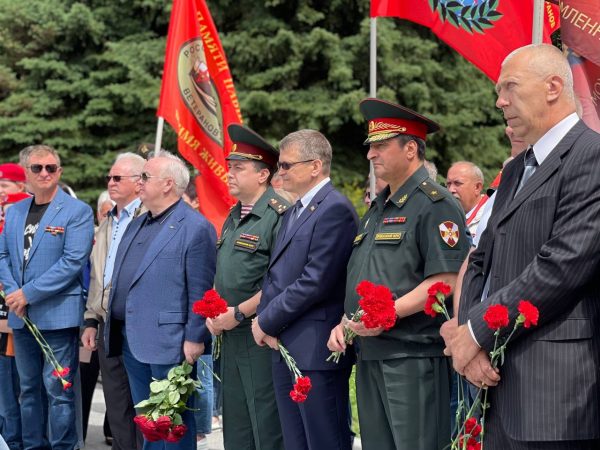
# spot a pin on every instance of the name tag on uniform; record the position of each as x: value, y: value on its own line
x: 245, y: 246
x: 388, y: 238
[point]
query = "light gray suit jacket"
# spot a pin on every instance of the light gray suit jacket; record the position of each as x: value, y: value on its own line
x: 543, y: 245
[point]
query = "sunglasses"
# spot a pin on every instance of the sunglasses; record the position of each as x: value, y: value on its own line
x: 146, y: 176
x: 118, y: 178
x: 289, y: 165
x: 37, y: 168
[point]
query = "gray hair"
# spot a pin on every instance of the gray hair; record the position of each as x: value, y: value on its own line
x: 136, y: 162
x: 475, y: 171
x: 103, y: 198
x: 311, y: 145
x: 25, y: 154
x: 176, y: 169
x: 545, y: 60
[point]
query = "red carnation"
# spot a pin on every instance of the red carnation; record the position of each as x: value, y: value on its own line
x: 176, y: 433
x: 298, y: 397
x: 440, y: 287
x: 429, y: 304
x: 379, y: 308
x: 163, y: 425
x: 472, y: 427
x: 496, y: 317
x: 66, y: 385
x: 210, y: 305
x: 303, y: 385
x: 62, y: 372
x: 472, y: 444
x: 148, y: 428
x: 529, y: 314
x: 364, y: 288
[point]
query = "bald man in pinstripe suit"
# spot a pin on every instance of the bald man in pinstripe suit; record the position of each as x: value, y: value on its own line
x: 542, y: 243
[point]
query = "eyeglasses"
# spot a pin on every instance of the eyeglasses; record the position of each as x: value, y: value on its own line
x: 117, y: 178
x: 289, y: 165
x: 146, y: 176
x: 37, y: 168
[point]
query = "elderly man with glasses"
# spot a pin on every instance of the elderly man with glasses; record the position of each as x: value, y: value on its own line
x: 123, y: 188
x: 166, y: 263
x: 43, y: 250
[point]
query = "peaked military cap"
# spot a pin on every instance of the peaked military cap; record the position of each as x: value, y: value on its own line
x: 250, y: 146
x: 387, y: 120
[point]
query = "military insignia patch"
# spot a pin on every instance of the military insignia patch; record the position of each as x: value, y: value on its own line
x: 249, y: 237
x: 403, y: 199
x: 449, y: 233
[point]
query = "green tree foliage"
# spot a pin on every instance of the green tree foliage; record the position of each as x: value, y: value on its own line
x: 84, y: 76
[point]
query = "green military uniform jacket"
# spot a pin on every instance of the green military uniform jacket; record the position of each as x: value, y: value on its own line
x: 419, y: 232
x: 244, y: 249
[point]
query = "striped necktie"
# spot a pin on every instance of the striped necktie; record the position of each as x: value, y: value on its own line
x: 531, y: 165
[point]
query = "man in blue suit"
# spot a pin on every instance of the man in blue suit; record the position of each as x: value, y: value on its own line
x: 166, y: 261
x: 303, y: 295
x: 43, y: 250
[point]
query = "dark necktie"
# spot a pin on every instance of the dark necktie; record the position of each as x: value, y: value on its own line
x: 293, y: 215
x: 531, y: 165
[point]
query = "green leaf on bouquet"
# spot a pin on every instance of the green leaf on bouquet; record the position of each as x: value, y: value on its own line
x: 159, y: 386
x: 177, y: 419
x: 187, y: 369
x: 174, y: 397
x: 143, y: 404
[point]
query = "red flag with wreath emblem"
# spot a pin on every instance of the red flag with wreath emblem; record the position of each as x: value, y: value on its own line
x: 581, y: 33
x: 483, y: 31
x: 199, y: 101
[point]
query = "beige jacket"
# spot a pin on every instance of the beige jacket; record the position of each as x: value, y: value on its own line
x: 97, y: 302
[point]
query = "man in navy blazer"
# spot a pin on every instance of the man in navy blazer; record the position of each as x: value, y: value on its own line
x: 303, y: 295
x: 165, y: 263
x: 43, y: 250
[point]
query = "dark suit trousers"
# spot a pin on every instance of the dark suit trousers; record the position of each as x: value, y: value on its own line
x: 496, y: 437
x: 320, y: 423
x: 119, y: 405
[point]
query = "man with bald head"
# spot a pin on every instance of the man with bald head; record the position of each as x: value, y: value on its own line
x: 541, y: 244
x: 465, y: 182
x: 165, y: 263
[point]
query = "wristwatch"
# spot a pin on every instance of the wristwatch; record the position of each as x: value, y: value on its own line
x: 237, y: 314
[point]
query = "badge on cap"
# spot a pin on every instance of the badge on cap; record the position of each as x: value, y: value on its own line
x: 449, y: 233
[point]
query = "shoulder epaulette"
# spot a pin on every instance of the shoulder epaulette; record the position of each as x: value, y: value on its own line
x: 278, y: 205
x: 431, y: 190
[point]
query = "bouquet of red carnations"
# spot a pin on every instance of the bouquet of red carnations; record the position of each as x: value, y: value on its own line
x: 160, y: 417
x: 376, y: 309
x: 210, y: 306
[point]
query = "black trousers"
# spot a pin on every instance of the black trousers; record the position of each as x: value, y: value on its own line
x: 117, y: 395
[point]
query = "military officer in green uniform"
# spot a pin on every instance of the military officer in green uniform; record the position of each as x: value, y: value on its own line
x: 250, y: 417
x: 412, y: 236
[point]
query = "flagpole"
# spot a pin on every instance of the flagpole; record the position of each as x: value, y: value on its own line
x: 372, y: 90
x: 160, y: 125
x: 538, y: 22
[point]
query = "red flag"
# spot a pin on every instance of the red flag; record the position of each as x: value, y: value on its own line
x: 198, y: 100
x: 581, y: 33
x: 483, y: 31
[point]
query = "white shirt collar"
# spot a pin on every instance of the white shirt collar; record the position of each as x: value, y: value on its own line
x: 553, y: 136
x: 307, y: 198
x: 129, y: 210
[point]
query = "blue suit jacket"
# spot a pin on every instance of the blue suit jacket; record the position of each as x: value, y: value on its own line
x: 303, y: 290
x: 178, y: 268
x: 52, y: 279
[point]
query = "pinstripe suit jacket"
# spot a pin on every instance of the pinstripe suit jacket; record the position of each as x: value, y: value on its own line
x: 543, y: 245
x: 52, y: 279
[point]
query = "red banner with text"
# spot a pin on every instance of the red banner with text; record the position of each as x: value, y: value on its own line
x: 483, y: 31
x: 581, y: 34
x: 198, y: 100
